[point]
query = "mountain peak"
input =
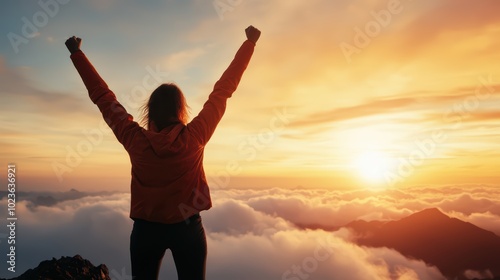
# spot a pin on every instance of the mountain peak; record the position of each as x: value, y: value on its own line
x: 452, y: 245
x: 429, y: 213
x: 66, y: 268
x: 429, y: 217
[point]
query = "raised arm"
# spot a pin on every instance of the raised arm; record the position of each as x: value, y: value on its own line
x: 203, y: 125
x: 113, y: 112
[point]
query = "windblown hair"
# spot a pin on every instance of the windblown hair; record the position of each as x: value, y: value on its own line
x: 165, y: 106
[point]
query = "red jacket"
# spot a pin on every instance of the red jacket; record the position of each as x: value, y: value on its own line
x: 168, y: 181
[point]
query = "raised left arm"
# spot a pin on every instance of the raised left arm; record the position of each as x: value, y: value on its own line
x: 115, y: 115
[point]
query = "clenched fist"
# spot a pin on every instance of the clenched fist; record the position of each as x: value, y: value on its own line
x: 73, y: 44
x: 252, y: 33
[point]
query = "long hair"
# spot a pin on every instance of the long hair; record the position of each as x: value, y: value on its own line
x: 165, y: 106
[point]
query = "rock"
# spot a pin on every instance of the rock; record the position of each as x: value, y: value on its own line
x: 76, y: 268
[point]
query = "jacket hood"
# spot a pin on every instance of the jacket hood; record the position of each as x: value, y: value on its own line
x: 167, y: 140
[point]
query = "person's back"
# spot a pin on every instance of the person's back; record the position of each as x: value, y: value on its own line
x: 168, y: 186
x: 167, y: 171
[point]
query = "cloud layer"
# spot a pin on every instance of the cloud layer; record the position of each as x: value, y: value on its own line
x: 252, y: 234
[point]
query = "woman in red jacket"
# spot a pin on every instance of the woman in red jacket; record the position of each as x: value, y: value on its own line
x: 168, y: 184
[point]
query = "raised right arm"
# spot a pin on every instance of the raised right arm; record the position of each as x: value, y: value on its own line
x: 203, y: 125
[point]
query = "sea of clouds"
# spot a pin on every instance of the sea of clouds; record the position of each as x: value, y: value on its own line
x: 251, y: 233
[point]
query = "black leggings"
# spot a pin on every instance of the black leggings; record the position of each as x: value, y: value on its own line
x: 186, y: 240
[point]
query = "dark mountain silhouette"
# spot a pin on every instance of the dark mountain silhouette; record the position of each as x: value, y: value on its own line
x: 75, y: 268
x: 48, y: 198
x: 452, y: 245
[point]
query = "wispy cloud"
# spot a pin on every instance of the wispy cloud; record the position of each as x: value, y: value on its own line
x: 375, y: 107
x: 20, y: 95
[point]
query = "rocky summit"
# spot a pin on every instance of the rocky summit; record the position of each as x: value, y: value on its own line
x: 76, y: 268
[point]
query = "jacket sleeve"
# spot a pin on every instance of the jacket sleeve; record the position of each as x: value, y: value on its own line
x: 115, y: 115
x: 203, y: 125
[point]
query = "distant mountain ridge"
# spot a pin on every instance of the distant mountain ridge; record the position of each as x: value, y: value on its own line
x: 76, y: 268
x: 452, y: 245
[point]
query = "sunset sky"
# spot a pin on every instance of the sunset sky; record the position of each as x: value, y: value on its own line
x: 338, y: 93
x: 351, y: 109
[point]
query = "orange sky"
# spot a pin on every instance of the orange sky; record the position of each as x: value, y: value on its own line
x: 338, y: 93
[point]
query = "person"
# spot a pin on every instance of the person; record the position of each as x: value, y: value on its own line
x: 168, y: 184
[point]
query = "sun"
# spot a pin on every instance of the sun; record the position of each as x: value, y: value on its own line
x: 373, y: 166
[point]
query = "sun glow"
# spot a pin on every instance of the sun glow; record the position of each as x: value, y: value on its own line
x: 373, y: 166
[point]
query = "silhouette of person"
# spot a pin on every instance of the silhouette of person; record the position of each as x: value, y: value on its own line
x: 168, y: 183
